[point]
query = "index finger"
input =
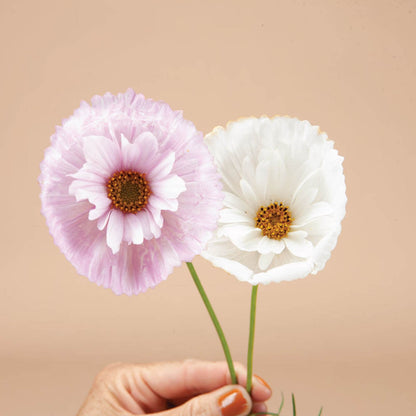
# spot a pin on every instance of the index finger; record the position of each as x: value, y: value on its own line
x: 193, y: 377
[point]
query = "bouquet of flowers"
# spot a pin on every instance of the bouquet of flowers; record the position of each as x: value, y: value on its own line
x: 130, y: 190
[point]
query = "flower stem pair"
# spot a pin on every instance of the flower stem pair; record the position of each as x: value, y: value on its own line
x: 224, y: 343
x: 220, y: 332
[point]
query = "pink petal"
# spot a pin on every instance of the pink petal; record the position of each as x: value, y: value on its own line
x: 163, y: 168
x: 115, y: 230
x: 170, y: 187
x: 103, y: 153
x: 162, y: 203
x: 140, y: 154
x: 102, y: 205
x: 133, y: 231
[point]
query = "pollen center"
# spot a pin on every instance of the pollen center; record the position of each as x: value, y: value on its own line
x: 128, y: 191
x: 274, y: 220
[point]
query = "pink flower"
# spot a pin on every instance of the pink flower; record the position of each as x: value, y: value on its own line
x: 129, y: 191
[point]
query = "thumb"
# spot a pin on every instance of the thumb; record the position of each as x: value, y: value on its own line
x: 227, y: 401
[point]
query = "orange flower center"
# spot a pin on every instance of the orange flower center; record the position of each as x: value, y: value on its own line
x: 274, y: 220
x: 128, y: 191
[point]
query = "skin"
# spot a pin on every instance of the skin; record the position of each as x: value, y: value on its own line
x: 188, y: 388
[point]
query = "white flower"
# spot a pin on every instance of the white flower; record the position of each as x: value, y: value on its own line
x: 284, y: 199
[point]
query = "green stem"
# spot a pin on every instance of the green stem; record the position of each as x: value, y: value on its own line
x: 215, y: 321
x: 264, y: 413
x: 293, y: 405
x: 251, y: 338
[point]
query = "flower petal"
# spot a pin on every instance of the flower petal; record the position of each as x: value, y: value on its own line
x: 285, y: 272
x: 263, y: 180
x: 318, y: 209
x: 248, y: 193
x: 298, y: 245
x: 102, y: 205
x: 140, y: 154
x: 234, y: 201
x: 244, y: 237
x: 265, y: 260
x: 133, y: 230
x: 160, y: 204
x: 115, y: 230
x: 222, y: 253
x: 169, y: 187
x: 268, y: 245
x: 228, y: 215
x: 100, y: 151
x: 163, y: 168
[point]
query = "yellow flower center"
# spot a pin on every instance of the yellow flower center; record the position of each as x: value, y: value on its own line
x: 274, y: 220
x: 128, y: 191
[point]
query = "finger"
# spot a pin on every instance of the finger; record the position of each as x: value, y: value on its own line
x: 230, y: 400
x: 260, y: 390
x: 259, y: 407
x: 192, y: 377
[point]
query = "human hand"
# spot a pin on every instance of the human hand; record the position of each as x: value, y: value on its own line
x: 188, y: 388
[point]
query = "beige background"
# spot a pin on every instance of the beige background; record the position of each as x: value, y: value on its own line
x: 344, y: 338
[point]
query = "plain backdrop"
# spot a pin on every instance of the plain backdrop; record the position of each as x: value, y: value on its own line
x: 345, y: 338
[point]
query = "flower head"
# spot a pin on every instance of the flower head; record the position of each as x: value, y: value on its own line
x: 129, y: 190
x: 284, y: 199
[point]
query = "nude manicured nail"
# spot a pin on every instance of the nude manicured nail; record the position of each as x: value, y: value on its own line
x: 263, y: 382
x: 233, y: 403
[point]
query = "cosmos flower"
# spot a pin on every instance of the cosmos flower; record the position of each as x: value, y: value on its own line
x: 129, y: 190
x: 284, y: 199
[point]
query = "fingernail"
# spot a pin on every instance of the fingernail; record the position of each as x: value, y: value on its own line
x: 263, y: 382
x: 233, y: 403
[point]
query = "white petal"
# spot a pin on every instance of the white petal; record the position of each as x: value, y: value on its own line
x: 222, y: 253
x: 323, y: 249
x: 115, y: 230
x: 304, y: 198
x: 310, y: 181
x: 244, y: 237
x: 298, y: 245
x: 248, y: 168
x: 248, y: 193
x: 228, y: 215
x: 265, y: 261
x: 286, y: 272
x: 278, y: 180
x: 234, y: 201
x: 269, y: 245
x: 320, y: 227
x: 262, y: 180
x: 318, y: 209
